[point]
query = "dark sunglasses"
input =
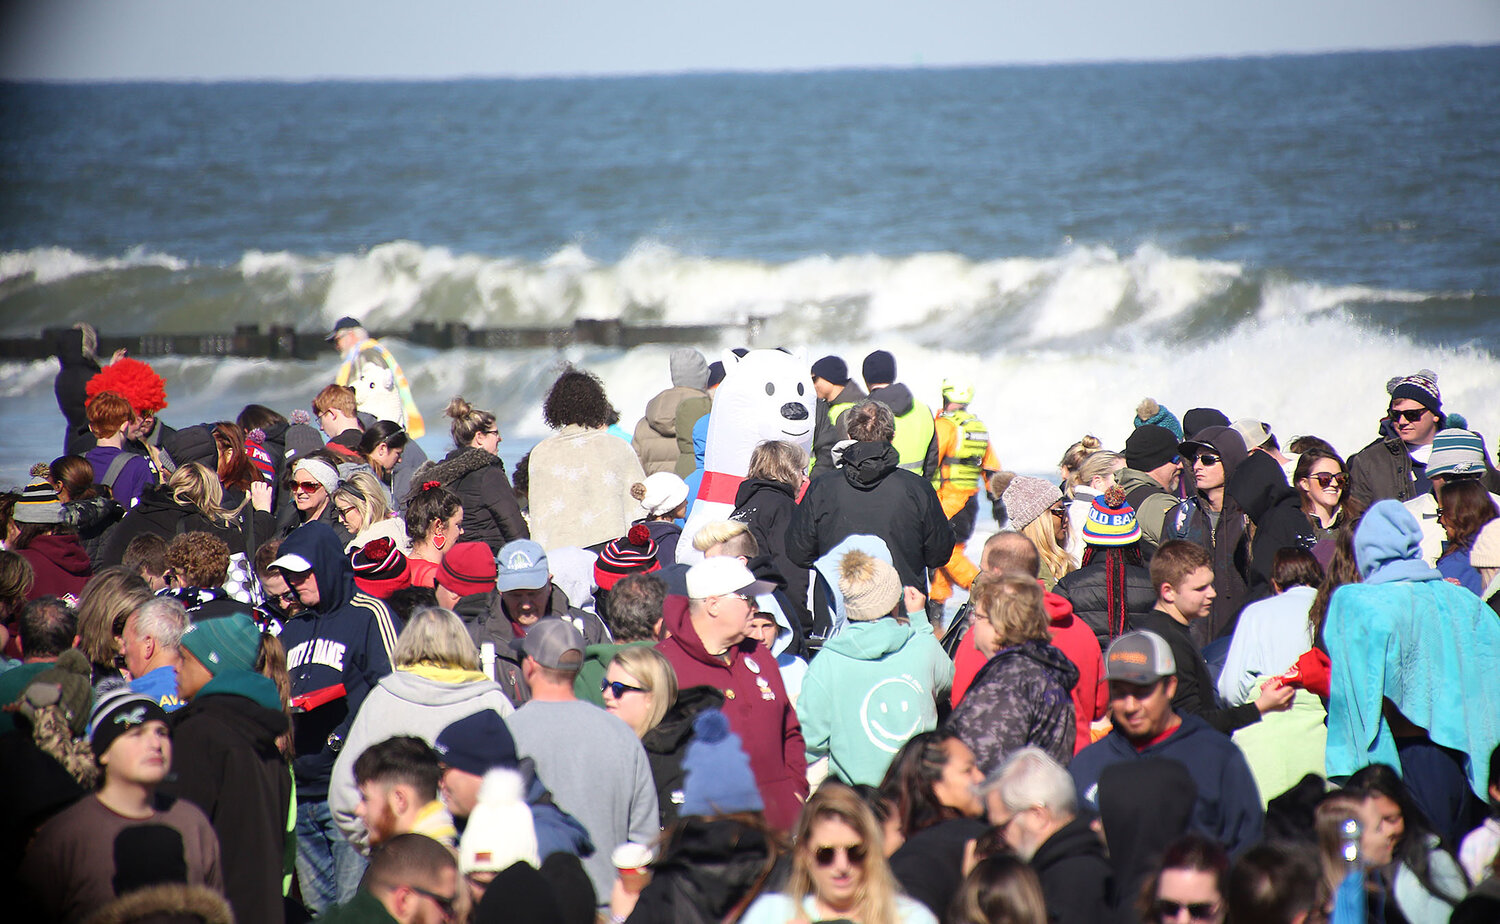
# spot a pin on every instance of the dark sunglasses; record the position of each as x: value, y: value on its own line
x: 305, y: 487
x: 1209, y: 459
x: 618, y: 689
x: 1324, y: 479
x: 444, y: 903
x: 1410, y: 415
x: 1059, y: 511
x: 1170, y: 910
x: 289, y: 596
x: 824, y: 856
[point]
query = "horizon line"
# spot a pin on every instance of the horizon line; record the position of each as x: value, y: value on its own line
x: 734, y: 71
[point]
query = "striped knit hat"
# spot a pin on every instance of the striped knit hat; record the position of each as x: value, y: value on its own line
x: 1456, y: 452
x: 1111, y: 520
x: 38, y: 504
x: 379, y: 568
x: 632, y: 553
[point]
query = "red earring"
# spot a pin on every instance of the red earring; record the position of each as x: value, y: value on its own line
x: 438, y: 541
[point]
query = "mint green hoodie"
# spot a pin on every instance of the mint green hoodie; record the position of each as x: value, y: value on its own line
x: 871, y: 688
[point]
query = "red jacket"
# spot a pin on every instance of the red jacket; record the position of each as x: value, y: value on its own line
x: 60, y: 564
x: 756, y: 704
x: 1075, y: 639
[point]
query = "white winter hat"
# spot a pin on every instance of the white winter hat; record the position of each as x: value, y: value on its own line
x: 664, y: 492
x: 501, y: 831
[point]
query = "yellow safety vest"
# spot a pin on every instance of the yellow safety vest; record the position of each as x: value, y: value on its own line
x: 965, y: 467
x: 914, y: 431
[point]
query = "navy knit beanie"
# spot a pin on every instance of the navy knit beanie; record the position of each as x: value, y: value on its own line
x: 717, y: 777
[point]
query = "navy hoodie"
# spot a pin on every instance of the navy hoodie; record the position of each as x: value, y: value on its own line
x: 346, y: 639
x: 1228, y: 807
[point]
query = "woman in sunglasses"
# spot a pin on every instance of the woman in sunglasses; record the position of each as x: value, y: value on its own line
x: 1188, y: 888
x: 839, y: 871
x: 1464, y: 507
x: 360, y: 504
x: 1320, y: 480
x: 314, y: 479
x: 640, y: 687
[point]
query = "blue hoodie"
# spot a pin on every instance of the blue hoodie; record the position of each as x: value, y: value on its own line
x: 345, y: 640
x: 1406, y: 635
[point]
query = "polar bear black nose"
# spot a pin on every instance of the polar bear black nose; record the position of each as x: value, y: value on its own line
x: 793, y: 410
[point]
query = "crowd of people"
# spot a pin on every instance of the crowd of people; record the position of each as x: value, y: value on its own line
x: 285, y: 668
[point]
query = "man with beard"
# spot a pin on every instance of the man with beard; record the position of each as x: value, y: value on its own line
x: 398, y: 792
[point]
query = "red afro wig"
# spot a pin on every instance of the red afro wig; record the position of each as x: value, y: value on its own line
x: 134, y: 381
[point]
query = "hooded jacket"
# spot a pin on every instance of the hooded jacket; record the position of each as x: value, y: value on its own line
x: 1086, y: 589
x: 871, y: 688
x: 1260, y: 488
x: 1406, y: 635
x: 159, y: 513
x: 1228, y: 542
x: 767, y: 508
x: 60, y: 565
x: 756, y: 705
x: 420, y: 700
x: 226, y: 762
x: 870, y: 495
x: 916, y: 430
x: 1020, y: 697
x: 491, y: 514
x: 706, y: 869
x: 667, y: 743
x: 1074, y: 638
x: 346, y: 639
x: 1228, y: 807
x: 484, y: 616
x: 655, y: 437
x: 1075, y: 874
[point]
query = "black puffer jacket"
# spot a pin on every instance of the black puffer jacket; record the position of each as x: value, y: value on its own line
x: 705, y: 872
x: 666, y: 744
x: 1259, y: 486
x: 158, y: 512
x: 1086, y: 590
x: 1075, y: 874
x: 870, y: 494
x: 491, y: 514
x: 767, y: 508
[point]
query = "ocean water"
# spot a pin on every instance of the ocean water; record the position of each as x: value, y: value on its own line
x: 1272, y: 236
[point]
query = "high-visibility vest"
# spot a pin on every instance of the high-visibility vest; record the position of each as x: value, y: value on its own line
x: 964, y: 468
x: 914, y: 431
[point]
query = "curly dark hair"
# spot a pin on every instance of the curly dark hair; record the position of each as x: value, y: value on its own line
x: 425, y: 504
x: 577, y: 397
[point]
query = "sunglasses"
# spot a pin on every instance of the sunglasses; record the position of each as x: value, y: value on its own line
x: 1166, y: 910
x: 1325, y: 479
x: 618, y: 689
x: 824, y: 856
x: 1059, y: 511
x: 1411, y: 415
x: 305, y: 487
x: 289, y: 596
x: 1209, y: 459
x: 444, y: 903
x: 345, y: 511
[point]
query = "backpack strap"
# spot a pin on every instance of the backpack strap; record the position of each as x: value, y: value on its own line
x: 116, y: 467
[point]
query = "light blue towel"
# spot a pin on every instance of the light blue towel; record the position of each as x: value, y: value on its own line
x: 1433, y: 650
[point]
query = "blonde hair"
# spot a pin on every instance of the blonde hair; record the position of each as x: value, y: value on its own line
x: 877, y: 894
x: 655, y: 675
x: 197, y: 485
x: 1076, y: 454
x: 468, y: 422
x: 1058, y: 562
x: 1094, y: 465
x: 364, y: 491
x: 779, y: 461
x: 107, y: 601
x: 715, y: 532
x: 1013, y: 605
x: 436, y: 636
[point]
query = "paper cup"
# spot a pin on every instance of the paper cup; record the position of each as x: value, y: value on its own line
x: 633, y: 861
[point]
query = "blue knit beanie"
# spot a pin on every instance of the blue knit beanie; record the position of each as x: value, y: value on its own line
x: 717, y: 778
x: 1150, y: 412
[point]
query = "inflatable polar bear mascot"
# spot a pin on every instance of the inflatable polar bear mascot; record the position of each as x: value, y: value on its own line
x: 765, y: 395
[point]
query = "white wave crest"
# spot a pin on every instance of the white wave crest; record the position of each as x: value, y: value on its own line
x: 46, y: 265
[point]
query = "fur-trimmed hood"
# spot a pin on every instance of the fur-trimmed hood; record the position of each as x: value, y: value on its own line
x: 169, y: 902
x: 454, y: 466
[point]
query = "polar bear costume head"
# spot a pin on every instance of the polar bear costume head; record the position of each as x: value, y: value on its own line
x: 765, y: 395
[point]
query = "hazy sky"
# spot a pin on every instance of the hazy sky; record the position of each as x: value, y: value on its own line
x: 219, y: 39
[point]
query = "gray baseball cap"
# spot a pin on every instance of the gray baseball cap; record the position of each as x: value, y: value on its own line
x: 553, y: 642
x: 1139, y: 657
